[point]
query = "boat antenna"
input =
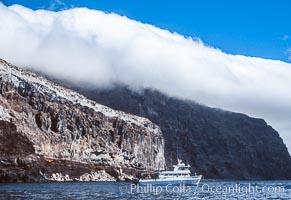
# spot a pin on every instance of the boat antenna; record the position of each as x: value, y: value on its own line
x: 177, y: 153
x: 178, y: 159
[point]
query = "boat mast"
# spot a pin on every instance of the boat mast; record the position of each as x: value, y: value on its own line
x: 151, y: 162
x: 177, y: 154
x: 178, y: 159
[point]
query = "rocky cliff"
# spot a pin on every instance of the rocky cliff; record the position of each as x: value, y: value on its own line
x: 50, y: 123
x: 216, y: 143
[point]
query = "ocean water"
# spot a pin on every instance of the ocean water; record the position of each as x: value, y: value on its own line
x: 207, y: 189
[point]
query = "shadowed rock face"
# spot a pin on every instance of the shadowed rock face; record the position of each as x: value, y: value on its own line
x: 216, y: 143
x: 58, y: 123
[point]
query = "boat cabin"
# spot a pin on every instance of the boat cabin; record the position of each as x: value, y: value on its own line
x: 180, y: 170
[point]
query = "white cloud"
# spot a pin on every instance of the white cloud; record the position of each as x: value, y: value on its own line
x: 104, y: 49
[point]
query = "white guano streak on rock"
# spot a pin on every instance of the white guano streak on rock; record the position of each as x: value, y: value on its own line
x: 4, y: 115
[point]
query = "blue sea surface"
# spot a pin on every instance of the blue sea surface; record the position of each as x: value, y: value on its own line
x: 207, y: 189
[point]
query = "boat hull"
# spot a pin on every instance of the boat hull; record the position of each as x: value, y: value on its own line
x: 193, y: 180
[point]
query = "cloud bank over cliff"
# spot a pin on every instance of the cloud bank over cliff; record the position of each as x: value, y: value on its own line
x: 101, y: 49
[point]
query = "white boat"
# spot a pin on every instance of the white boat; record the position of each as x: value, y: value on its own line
x: 179, y: 175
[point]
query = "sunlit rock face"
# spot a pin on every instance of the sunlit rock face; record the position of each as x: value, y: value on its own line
x: 63, y: 124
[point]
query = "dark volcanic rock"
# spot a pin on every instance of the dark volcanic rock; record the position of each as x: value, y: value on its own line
x: 217, y: 143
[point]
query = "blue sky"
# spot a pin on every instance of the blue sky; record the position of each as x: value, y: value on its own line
x: 260, y: 28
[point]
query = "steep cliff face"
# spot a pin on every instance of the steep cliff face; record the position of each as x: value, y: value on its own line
x: 63, y: 124
x: 216, y: 143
